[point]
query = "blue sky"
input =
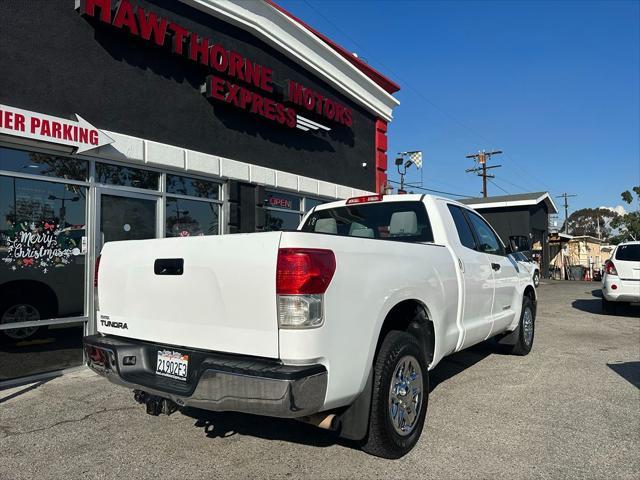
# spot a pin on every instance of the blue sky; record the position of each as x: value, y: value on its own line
x: 556, y: 85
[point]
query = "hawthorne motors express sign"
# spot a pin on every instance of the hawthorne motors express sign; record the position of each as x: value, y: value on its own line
x: 243, y: 75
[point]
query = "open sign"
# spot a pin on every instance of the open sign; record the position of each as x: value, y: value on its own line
x: 280, y: 202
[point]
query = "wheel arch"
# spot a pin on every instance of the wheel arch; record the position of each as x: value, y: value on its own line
x: 412, y: 316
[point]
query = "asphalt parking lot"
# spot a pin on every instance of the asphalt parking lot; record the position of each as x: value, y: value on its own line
x: 571, y: 409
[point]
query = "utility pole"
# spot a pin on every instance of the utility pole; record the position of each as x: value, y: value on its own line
x: 566, y: 210
x: 482, y: 158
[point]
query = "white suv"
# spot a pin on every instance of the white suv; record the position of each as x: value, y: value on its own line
x: 621, y: 279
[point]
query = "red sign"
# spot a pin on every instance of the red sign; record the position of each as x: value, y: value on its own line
x: 280, y: 202
x: 241, y: 78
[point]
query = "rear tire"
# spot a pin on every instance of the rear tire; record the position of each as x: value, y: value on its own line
x: 526, y: 329
x: 399, y: 398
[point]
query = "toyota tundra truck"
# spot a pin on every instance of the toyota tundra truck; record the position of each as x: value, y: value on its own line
x: 337, y: 323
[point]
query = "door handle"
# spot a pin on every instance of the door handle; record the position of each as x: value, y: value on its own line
x: 495, y: 266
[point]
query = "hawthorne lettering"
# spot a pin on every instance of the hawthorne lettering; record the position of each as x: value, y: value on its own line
x: 243, y: 72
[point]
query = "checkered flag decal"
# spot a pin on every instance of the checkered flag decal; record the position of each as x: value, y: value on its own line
x: 416, y: 158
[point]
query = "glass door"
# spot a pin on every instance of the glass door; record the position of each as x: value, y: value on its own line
x: 126, y: 216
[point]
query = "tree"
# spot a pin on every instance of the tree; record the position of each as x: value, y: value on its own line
x: 628, y: 225
x: 594, y: 222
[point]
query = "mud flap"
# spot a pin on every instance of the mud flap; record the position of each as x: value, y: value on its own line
x: 354, y: 421
x: 510, y: 338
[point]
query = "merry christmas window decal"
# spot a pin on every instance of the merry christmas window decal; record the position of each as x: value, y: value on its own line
x: 41, y: 245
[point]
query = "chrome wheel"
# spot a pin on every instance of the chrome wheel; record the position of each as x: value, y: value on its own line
x: 527, y: 325
x: 21, y: 312
x: 405, y: 395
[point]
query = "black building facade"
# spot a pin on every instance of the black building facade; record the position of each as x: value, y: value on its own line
x: 149, y: 119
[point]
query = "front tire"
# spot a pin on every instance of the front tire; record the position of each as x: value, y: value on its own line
x: 399, y: 397
x: 526, y: 328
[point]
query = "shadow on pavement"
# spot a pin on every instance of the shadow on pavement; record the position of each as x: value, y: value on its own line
x: 457, y: 363
x: 630, y: 371
x: 227, y: 424
x: 594, y: 305
x: 26, y: 389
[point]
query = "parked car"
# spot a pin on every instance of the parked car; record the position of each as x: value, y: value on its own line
x: 337, y: 323
x: 529, y: 265
x: 621, y: 279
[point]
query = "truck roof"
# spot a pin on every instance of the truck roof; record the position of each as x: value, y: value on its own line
x: 417, y: 197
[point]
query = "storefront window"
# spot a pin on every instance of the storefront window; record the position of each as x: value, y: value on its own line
x: 126, y: 177
x: 34, y: 163
x: 282, y: 200
x: 188, y: 218
x: 310, y: 203
x: 284, y: 210
x: 276, y: 220
x: 44, y: 349
x: 192, y: 187
x: 42, y: 253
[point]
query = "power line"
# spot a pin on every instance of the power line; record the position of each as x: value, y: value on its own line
x: 499, y: 187
x: 420, y: 94
x: 435, y: 191
x: 519, y: 187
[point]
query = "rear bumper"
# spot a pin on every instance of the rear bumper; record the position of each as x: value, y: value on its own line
x: 626, y: 290
x: 218, y: 382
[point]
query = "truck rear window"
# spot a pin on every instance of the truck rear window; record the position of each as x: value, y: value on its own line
x: 629, y: 252
x: 400, y: 221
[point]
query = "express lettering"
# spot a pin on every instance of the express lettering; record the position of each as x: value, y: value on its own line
x: 240, y: 97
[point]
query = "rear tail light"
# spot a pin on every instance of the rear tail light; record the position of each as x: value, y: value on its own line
x: 300, y: 311
x: 610, y: 268
x: 365, y: 199
x: 304, y: 270
x: 302, y: 277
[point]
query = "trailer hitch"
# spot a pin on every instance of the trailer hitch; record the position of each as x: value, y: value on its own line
x: 155, y: 405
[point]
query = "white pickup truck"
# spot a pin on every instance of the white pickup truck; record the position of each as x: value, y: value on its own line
x: 337, y: 323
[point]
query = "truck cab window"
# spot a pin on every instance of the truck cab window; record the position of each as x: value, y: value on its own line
x: 488, y: 241
x: 399, y: 221
x: 462, y: 226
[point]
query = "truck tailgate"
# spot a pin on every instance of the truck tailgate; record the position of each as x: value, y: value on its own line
x: 224, y: 299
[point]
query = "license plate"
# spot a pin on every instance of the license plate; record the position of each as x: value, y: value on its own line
x: 172, y: 364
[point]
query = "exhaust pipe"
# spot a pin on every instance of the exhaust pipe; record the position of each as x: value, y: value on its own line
x: 155, y: 405
x: 326, y: 421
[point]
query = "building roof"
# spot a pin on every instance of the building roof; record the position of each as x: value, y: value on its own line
x: 586, y: 238
x: 386, y: 83
x: 517, y: 200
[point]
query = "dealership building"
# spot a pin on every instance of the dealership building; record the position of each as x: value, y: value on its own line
x: 149, y: 119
